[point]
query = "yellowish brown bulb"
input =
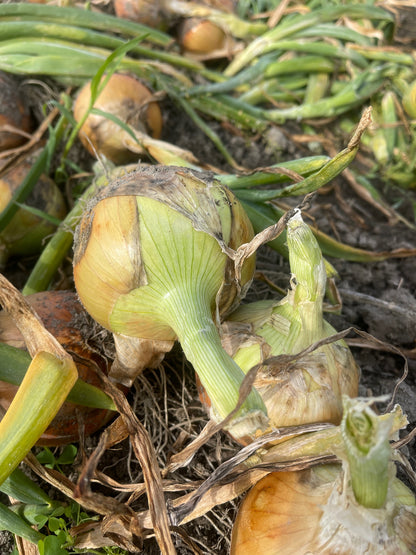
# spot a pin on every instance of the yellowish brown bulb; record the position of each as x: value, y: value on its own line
x: 200, y: 36
x: 131, y: 102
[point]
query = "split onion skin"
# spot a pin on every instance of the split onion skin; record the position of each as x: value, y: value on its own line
x: 127, y: 99
x: 64, y: 317
x: 14, y: 112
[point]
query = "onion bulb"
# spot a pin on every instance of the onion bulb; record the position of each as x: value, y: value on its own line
x: 316, y: 511
x: 201, y: 36
x: 25, y: 233
x: 150, y: 264
x: 63, y: 316
x: 309, y: 388
x: 15, y: 118
x: 129, y: 100
x: 147, y: 12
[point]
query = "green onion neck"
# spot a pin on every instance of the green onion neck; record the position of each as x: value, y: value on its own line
x: 189, y: 314
x: 368, y: 452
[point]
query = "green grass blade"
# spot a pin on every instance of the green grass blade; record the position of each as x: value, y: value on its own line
x: 21, y: 487
x: 16, y: 525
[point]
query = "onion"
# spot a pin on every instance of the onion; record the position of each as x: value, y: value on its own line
x: 201, y: 36
x: 147, y: 12
x: 308, y: 388
x: 150, y: 265
x: 64, y: 317
x: 14, y: 113
x: 316, y: 511
x: 131, y: 103
x: 129, y: 100
x: 26, y: 232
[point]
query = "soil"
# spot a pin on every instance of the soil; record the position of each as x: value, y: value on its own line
x: 377, y: 297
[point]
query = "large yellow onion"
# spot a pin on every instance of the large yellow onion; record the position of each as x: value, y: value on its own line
x: 150, y: 265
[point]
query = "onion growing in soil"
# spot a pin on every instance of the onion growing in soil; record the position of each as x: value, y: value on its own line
x: 358, y: 508
x: 131, y: 102
x: 150, y: 265
x: 201, y: 36
x: 64, y: 317
x: 26, y: 232
x: 147, y: 12
x: 307, y: 388
x: 15, y: 117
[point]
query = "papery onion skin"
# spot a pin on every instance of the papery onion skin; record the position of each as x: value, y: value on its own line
x: 129, y: 100
x: 150, y: 263
x: 63, y: 316
x: 306, y: 513
x: 305, y: 390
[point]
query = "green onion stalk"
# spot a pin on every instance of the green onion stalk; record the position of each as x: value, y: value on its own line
x: 153, y: 262
x: 290, y: 26
x: 300, y: 378
x: 50, y: 377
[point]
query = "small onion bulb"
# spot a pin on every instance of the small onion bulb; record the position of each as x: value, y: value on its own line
x: 200, y: 36
x: 131, y: 102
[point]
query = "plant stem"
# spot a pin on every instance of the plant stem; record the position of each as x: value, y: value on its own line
x: 201, y: 343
